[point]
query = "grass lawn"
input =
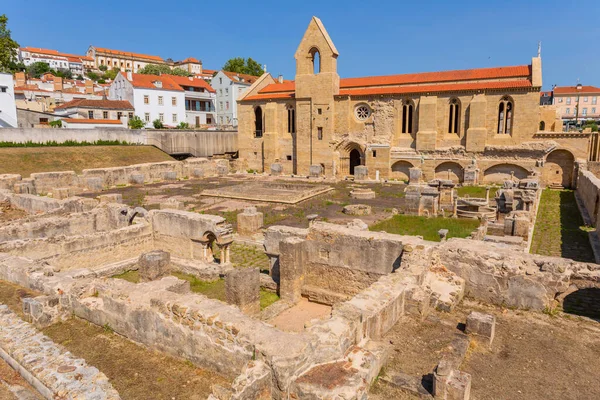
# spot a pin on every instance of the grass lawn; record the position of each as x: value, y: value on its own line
x: 476, y: 191
x: 559, y: 229
x: 426, y: 227
x: 27, y: 160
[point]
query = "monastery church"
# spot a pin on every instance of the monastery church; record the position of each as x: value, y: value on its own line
x: 474, y: 126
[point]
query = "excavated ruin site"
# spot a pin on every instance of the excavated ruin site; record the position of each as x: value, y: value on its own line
x: 189, y: 280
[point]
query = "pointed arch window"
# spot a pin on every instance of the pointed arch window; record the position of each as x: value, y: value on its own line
x: 454, y: 116
x: 505, y: 116
x: 315, y: 57
x: 258, y: 122
x: 291, y: 119
x: 407, y: 117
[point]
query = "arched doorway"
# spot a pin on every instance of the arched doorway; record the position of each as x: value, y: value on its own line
x: 504, y: 172
x: 401, y: 170
x: 354, y: 160
x: 449, y: 170
x: 558, y: 168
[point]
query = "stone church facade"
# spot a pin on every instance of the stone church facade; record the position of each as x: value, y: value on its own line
x: 479, y: 125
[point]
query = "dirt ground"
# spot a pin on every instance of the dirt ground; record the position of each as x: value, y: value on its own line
x: 534, y: 356
x: 135, y: 371
x: 293, y: 319
x: 328, y: 206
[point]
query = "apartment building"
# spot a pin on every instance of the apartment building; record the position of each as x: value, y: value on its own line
x: 121, y: 59
x: 55, y: 59
x: 577, y: 104
x: 120, y: 110
x: 199, y: 100
x: 228, y: 86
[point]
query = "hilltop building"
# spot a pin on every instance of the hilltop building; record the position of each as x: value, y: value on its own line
x: 78, y: 65
x: 229, y: 86
x: 477, y: 126
x: 577, y: 104
x: 8, y: 108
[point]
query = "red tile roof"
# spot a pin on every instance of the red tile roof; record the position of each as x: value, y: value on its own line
x: 38, y: 50
x: 444, y: 81
x: 190, y: 60
x: 102, y: 104
x: 120, y: 53
x: 573, y: 89
x: 92, y: 121
x: 191, y: 81
x: 242, y: 78
x: 147, y: 82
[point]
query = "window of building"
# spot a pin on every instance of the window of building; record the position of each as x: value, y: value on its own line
x: 160, y: 100
x: 407, y: 117
x: 585, y: 99
x: 221, y: 120
x: 174, y: 101
x: 161, y: 117
x: 453, y: 116
x: 105, y: 114
x: 505, y: 116
x: 174, y: 118
x: 138, y: 66
x: 3, y: 89
x: 320, y: 133
x: 319, y: 111
x: 220, y: 106
x: 593, y: 110
x: 568, y: 100
x: 542, y: 126
x: 560, y: 100
x: 44, y: 121
x: 258, y: 122
x: 147, y: 117
x: 220, y: 92
x: 130, y: 115
x: 226, y: 90
x: 90, y: 114
x: 575, y: 111
x: 594, y: 100
x: 221, y: 80
x: 146, y: 99
x: 362, y: 112
x: 374, y: 153
x: 568, y: 110
x: 119, y: 114
x: 316, y: 60
x: 288, y: 157
x: 584, y: 111
x: 291, y: 120
x: 227, y: 105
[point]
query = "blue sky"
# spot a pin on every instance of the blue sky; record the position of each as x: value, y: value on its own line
x: 373, y: 37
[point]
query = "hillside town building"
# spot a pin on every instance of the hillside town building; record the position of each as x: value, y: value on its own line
x: 119, y: 110
x: 229, y: 86
x: 78, y: 65
x: 478, y: 125
x: 168, y: 98
x: 121, y: 59
x: 8, y: 108
x: 577, y: 104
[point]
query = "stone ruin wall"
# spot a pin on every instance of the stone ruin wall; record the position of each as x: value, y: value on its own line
x: 104, y: 178
x: 588, y: 191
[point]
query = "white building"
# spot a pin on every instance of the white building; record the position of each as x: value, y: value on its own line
x: 152, y: 96
x: 8, y: 108
x: 55, y: 59
x: 228, y: 87
x: 199, y: 101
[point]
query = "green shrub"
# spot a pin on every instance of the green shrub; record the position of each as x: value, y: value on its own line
x: 157, y: 123
x: 136, y: 123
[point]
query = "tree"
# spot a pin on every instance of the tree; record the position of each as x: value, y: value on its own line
x: 157, y: 123
x: 243, y: 66
x: 112, y: 74
x: 136, y: 123
x: 55, y: 124
x: 183, y: 125
x: 8, y: 47
x: 103, y: 68
x: 37, y: 69
x: 79, y: 77
x: 64, y: 73
x: 155, y: 69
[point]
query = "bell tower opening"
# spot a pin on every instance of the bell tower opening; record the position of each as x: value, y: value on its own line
x: 316, y: 60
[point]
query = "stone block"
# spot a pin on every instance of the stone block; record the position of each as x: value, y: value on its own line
x: 198, y: 173
x: 276, y: 169
x: 357, y: 209
x: 414, y: 175
x: 172, y: 204
x: 315, y: 171
x: 60, y: 193
x: 170, y: 176
x: 26, y: 186
x: 222, y: 170
x: 361, y: 173
x: 111, y: 198
x: 154, y: 264
x: 358, y: 225
x: 242, y: 288
x: 483, y: 325
x: 362, y: 193
x: 250, y: 221
x: 95, y: 184
x: 136, y: 179
x: 291, y: 268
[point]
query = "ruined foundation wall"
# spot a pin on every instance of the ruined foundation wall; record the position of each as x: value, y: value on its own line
x: 503, y: 276
x: 85, y: 251
x: 588, y: 190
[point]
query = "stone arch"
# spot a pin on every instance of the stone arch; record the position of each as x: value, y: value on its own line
x: 504, y: 172
x: 558, y: 168
x: 351, y: 155
x: 542, y: 126
x: 315, y: 57
x: 401, y: 170
x: 449, y: 170
x: 584, y: 302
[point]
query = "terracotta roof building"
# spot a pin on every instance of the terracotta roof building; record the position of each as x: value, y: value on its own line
x: 115, y: 110
x: 463, y: 125
x: 577, y: 104
x: 124, y: 60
